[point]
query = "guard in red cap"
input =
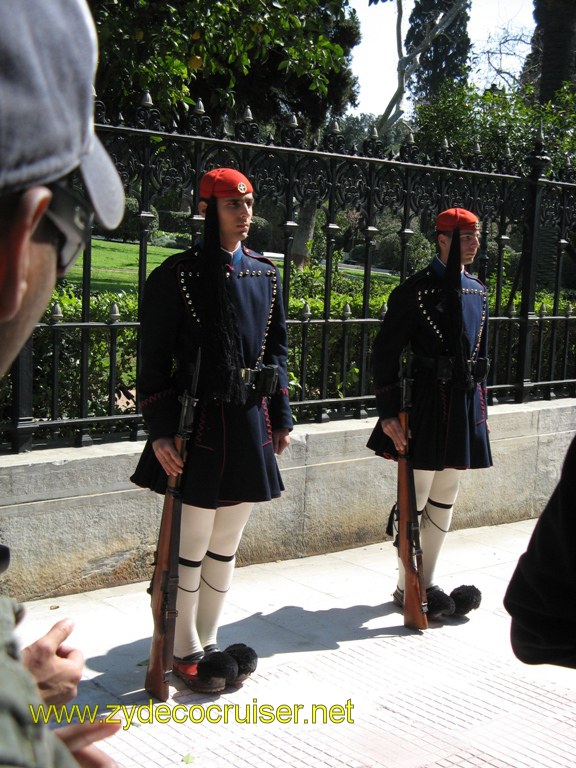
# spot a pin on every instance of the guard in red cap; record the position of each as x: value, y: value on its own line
x: 438, y: 319
x: 224, y: 182
x: 225, y: 300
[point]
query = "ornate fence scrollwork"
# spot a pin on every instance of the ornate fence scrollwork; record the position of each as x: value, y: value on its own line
x: 533, y: 351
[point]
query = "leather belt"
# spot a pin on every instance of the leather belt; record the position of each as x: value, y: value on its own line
x: 443, y: 367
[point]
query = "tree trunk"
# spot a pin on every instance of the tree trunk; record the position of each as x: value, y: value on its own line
x: 558, y: 21
x: 305, y: 232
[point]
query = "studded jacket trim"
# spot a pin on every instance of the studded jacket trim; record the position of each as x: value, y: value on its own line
x: 186, y: 275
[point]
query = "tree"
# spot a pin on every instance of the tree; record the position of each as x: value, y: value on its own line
x: 446, y: 57
x: 499, y: 125
x: 275, y: 92
x: 409, y: 62
x: 227, y: 52
x: 556, y: 22
x: 497, y: 63
x: 532, y: 67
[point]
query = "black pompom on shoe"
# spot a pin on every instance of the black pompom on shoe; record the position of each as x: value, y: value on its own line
x: 440, y: 605
x: 214, y: 673
x: 466, y: 598
x: 246, y: 658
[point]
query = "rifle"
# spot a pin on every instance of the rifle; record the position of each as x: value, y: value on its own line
x: 164, y: 585
x: 409, y: 549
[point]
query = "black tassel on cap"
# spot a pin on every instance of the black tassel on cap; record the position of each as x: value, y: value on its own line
x: 459, y: 344
x: 221, y: 360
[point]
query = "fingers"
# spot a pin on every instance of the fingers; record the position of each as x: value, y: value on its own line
x: 56, y: 666
x: 92, y: 757
x: 43, y: 651
x: 54, y: 638
x: 393, y: 429
x: 168, y: 456
x: 80, y: 737
x: 280, y: 440
x: 73, y: 655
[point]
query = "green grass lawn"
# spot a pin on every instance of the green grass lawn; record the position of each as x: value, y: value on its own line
x: 115, y: 264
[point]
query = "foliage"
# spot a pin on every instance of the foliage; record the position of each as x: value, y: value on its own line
x: 260, y: 234
x: 174, y: 220
x: 447, y: 56
x: 129, y: 227
x: 307, y: 287
x: 264, y: 54
x: 357, y: 128
x: 57, y: 356
x: 58, y: 347
x: 556, y: 32
x: 501, y: 123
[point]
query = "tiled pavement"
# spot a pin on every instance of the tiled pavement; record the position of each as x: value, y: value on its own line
x: 333, y: 649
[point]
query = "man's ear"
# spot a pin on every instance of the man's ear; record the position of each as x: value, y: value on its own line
x: 15, y: 241
x: 202, y: 205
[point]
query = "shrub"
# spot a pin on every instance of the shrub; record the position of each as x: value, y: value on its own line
x: 129, y: 229
x: 57, y: 355
x: 260, y: 235
x: 174, y: 221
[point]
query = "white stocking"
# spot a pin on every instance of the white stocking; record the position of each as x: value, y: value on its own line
x: 195, y: 531
x: 436, y: 518
x: 436, y: 493
x: 218, y: 568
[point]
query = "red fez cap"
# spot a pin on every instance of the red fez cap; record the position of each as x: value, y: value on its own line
x: 224, y: 182
x: 456, y: 218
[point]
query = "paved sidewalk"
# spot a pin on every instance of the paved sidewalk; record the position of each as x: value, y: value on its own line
x: 333, y: 649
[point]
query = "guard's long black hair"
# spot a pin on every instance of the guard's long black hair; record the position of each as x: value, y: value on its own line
x: 458, y: 342
x: 221, y: 358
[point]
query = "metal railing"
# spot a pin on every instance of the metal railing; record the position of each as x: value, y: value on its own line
x: 69, y: 387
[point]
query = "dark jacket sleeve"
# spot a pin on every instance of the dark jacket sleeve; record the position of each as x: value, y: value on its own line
x: 542, y: 592
x: 161, y: 320
x: 391, y: 339
x: 276, y: 353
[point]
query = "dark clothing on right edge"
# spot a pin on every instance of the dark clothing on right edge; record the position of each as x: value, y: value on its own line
x: 541, y: 596
x: 447, y: 423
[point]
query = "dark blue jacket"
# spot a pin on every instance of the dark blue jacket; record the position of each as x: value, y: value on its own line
x: 447, y: 420
x: 230, y: 453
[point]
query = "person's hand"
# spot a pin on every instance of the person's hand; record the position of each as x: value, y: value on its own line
x: 56, y: 667
x: 80, y: 737
x: 280, y: 440
x: 168, y: 456
x: 393, y: 429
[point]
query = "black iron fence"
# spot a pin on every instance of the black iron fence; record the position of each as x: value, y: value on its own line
x: 74, y: 382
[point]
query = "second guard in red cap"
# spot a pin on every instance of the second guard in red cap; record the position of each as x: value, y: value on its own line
x: 440, y: 315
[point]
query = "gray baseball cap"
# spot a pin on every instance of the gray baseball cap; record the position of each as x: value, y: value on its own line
x: 48, y: 57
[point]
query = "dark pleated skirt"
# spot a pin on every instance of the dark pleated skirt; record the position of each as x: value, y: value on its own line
x: 230, y: 458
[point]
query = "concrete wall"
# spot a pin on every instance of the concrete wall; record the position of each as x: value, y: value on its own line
x: 74, y: 521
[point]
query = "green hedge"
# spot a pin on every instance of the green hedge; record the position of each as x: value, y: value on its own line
x: 307, y: 287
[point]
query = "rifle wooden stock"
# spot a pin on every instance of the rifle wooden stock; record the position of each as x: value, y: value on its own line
x: 164, y: 589
x: 409, y: 550
x: 164, y: 585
